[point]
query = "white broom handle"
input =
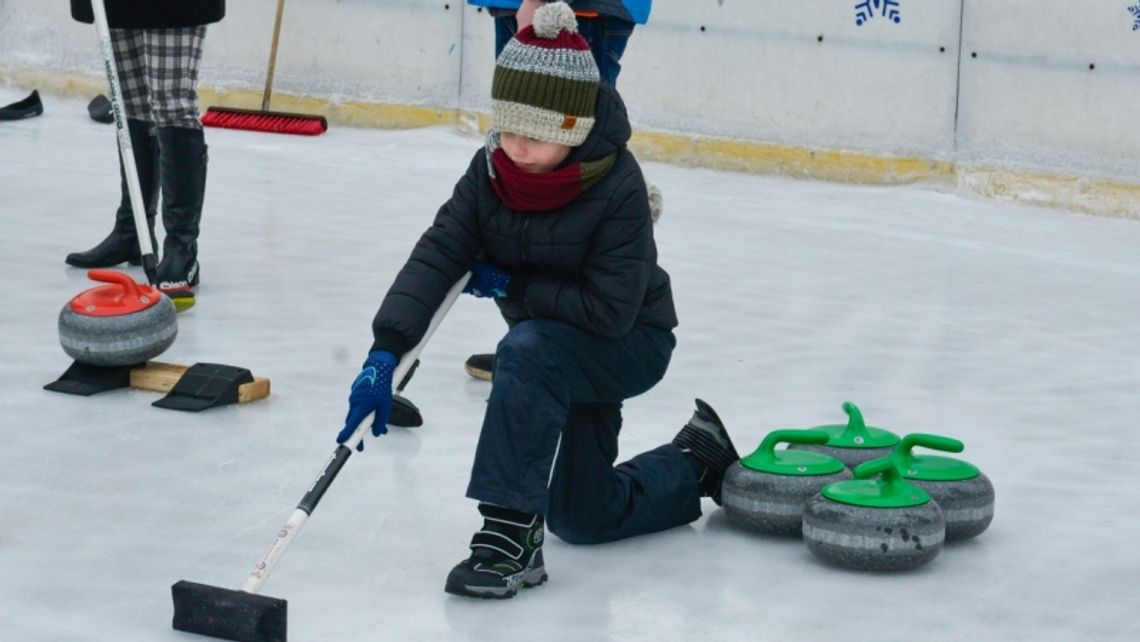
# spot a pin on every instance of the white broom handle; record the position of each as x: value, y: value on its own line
x: 124, y: 135
x: 292, y: 527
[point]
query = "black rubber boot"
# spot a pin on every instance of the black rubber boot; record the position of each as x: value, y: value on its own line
x: 122, y: 244
x: 183, y: 169
x: 505, y: 556
x: 480, y: 366
x: 705, y: 442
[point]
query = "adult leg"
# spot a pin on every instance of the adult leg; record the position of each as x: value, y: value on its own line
x: 505, y: 28
x: 122, y: 243
x: 607, y: 37
x: 172, y: 73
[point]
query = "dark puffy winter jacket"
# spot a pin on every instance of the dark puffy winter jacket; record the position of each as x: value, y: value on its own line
x: 591, y: 263
x: 152, y: 14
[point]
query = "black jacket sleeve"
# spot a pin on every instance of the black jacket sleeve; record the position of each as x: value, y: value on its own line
x: 443, y: 254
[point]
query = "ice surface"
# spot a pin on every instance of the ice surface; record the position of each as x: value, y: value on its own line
x: 1008, y: 327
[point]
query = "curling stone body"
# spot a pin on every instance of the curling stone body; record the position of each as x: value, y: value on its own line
x: 968, y: 505
x: 964, y: 493
x: 769, y: 502
x: 874, y: 524
x: 873, y: 539
x: 119, y: 324
x: 767, y: 491
x: 854, y: 443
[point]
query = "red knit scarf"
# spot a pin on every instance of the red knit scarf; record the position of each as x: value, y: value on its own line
x: 527, y: 192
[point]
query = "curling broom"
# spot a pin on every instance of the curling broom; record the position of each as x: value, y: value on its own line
x: 245, y: 615
x: 263, y: 120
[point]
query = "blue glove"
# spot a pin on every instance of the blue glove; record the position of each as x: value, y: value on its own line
x: 487, y: 281
x: 371, y: 392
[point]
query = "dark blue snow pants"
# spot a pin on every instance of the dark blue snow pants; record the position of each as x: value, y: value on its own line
x: 556, y: 402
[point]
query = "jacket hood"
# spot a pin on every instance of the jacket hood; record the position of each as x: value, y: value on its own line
x: 611, y: 129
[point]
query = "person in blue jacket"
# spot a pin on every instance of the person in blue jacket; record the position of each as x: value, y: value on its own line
x: 553, y: 220
x: 606, y: 25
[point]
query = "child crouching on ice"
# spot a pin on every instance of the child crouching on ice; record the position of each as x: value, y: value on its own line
x: 552, y: 218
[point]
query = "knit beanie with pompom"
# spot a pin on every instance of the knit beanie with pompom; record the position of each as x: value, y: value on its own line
x: 546, y: 82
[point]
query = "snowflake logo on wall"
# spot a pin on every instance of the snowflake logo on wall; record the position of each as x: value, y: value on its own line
x: 866, y: 9
x: 1135, y: 11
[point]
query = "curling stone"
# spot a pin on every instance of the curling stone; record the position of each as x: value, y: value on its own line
x: 854, y: 443
x: 963, y: 492
x: 883, y: 524
x: 119, y: 324
x: 767, y: 490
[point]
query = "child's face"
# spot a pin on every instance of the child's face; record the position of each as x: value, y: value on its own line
x: 533, y: 156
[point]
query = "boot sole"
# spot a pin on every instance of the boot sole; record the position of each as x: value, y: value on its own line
x: 478, y: 373
x: 99, y: 264
x: 533, y: 578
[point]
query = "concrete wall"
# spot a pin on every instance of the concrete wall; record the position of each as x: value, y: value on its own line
x: 1039, y: 87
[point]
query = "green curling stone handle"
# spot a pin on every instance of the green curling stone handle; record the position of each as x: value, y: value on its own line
x: 791, y: 436
x: 888, y: 466
x: 856, y: 425
x: 792, y: 462
x: 934, y: 442
x: 932, y: 468
x: 890, y: 490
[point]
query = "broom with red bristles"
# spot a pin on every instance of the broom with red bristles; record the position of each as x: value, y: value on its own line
x: 263, y: 120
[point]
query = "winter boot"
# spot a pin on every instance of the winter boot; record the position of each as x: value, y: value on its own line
x: 122, y: 244
x: 705, y: 442
x: 480, y: 366
x: 183, y: 169
x: 505, y: 555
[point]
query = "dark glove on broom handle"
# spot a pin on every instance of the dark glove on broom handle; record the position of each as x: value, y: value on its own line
x: 371, y: 393
x: 487, y: 281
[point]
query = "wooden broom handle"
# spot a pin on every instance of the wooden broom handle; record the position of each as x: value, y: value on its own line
x: 272, y: 56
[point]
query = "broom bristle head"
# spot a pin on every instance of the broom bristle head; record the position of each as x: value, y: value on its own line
x: 265, y: 121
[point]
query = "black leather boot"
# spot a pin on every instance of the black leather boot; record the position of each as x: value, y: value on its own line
x: 183, y: 169
x: 122, y: 244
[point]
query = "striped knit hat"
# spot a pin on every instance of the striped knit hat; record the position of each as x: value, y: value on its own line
x: 546, y: 82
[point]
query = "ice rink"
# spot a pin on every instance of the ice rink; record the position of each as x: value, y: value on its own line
x: 1011, y: 328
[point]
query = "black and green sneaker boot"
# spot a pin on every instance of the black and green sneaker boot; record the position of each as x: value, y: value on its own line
x: 707, y: 445
x: 505, y: 556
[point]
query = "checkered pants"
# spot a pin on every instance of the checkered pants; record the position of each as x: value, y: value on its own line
x: 158, y: 74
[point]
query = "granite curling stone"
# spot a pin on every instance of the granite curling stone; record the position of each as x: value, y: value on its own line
x: 855, y: 442
x: 883, y: 524
x: 767, y: 490
x: 961, y: 490
x: 119, y: 324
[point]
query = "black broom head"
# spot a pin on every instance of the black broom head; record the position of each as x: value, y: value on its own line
x: 227, y: 614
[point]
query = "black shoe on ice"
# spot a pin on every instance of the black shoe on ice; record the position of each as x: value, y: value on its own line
x: 505, y: 556
x: 706, y: 443
x: 480, y: 366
